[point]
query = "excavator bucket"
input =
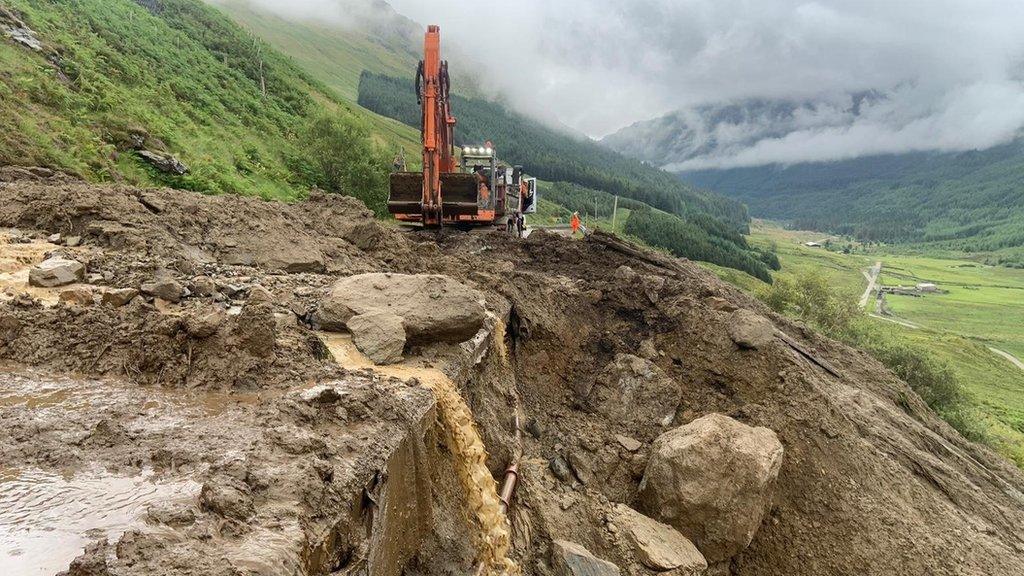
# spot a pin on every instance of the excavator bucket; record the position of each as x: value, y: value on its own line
x: 406, y: 193
x: 459, y: 194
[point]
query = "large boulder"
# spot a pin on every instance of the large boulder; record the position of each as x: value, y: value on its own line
x: 56, y: 271
x: 571, y: 559
x: 713, y: 480
x: 433, y: 308
x: 659, y: 546
x: 379, y: 335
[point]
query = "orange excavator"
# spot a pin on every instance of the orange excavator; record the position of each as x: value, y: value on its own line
x: 440, y: 194
x: 448, y: 192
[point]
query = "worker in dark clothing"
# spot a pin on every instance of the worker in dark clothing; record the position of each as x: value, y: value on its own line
x: 520, y: 223
x: 510, y: 225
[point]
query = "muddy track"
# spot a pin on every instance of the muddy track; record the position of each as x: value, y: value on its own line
x: 311, y: 466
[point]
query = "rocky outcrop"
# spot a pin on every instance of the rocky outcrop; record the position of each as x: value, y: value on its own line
x: 713, y: 480
x: 432, y: 308
x: 164, y: 162
x: 56, y: 271
x: 571, y: 559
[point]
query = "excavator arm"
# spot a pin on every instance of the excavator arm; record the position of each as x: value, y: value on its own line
x: 442, y: 191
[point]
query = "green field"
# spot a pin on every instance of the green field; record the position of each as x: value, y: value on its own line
x: 984, y: 307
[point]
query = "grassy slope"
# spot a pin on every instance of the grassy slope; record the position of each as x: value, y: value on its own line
x: 336, y: 57
x: 129, y: 68
x: 985, y: 307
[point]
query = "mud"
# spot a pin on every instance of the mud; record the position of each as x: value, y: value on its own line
x: 310, y: 462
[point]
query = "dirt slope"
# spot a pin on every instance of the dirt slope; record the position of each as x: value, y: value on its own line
x: 871, y: 482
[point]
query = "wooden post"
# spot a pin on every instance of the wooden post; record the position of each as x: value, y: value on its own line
x: 615, y: 211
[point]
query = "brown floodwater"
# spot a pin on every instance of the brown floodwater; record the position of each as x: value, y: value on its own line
x: 46, y: 519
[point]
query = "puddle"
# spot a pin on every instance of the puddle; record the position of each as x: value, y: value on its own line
x: 47, y: 519
x: 42, y: 392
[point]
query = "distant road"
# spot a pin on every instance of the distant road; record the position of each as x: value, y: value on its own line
x: 1016, y: 361
x: 872, y: 278
x: 903, y: 323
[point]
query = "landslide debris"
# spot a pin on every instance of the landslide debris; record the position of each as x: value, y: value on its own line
x: 615, y: 360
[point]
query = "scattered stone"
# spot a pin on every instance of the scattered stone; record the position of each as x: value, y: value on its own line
x: 77, y: 296
x: 91, y: 562
x: 379, y: 335
x: 320, y: 394
x: 560, y: 468
x: 229, y: 290
x: 659, y: 546
x: 72, y: 241
x: 749, y: 330
x: 571, y: 559
x: 172, y: 513
x: 713, y: 480
x: 433, y: 308
x: 56, y: 271
x: 625, y: 273
x: 164, y: 289
x: 258, y: 293
x: 118, y: 297
x: 628, y: 443
x: 647, y: 349
x: 53, y: 238
x: 203, y: 286
x: 581, y: 467
x: 205, y: 323
x: 652, y: 287
x: 720, y: 304
x: 533, y: 428
x: 164, y: 162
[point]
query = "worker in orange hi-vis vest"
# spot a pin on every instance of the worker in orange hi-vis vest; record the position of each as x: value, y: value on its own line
x: 574, y: 222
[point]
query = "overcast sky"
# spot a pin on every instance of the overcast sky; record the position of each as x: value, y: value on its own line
x: 951, y: 69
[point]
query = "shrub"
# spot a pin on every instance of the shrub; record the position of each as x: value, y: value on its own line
x: 347, y: 160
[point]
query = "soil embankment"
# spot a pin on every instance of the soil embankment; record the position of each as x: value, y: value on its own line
x: 303, y: 461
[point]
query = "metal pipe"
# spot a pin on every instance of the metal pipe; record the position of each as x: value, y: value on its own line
x: 508, y: 488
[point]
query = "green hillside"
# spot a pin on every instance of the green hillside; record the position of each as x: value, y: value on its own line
x: 176, y: 77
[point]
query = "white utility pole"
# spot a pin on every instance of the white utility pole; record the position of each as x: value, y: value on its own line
x: 615, y: 210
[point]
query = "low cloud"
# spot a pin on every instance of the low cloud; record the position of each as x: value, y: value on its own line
x: 950, y: 70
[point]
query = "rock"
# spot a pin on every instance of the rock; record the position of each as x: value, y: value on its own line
x: 720, y: 304
x: 165, y: 289
x: 56, y: 271
x: 659, y: 546
x: 164, y: 162
x: 625, y: 273
x: 750, y: 330
x: 258, y: 293
x: 581, y: 467
x: 203, y: 286
x: 652, y: 287
x: 118, y: 297
x: 433, y: 308
x: 379, y: 335
x: 571, y: 559
x: 533, y: 428
x: 713, y: 480
x: 224, y: 499
x: 560, y: 468
x: 77, y: 296
x: 53, y: 238
x: 647, y: 349
x: 205, y: 323
x: 172, y: 513
x: 628, y: 443
x: 72, y: 241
